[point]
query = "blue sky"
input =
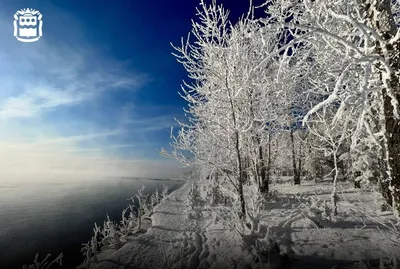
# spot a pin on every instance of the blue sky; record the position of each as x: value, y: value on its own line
x: 99, y: 89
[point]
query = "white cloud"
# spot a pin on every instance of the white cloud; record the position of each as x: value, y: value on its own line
x: 40, y: 78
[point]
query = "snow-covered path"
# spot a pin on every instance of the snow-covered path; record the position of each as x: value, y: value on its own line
x: 169, y: 226
x: 295, y: 218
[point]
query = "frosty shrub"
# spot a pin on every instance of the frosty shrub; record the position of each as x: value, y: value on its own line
x: 278, y: 179
x: 266, y: 253
x: 87, y: 252
x: 90, y: 249
x: 193, y: 198
x: 164, y: 192
x: 214, y: 193
x: 111, y: 235
x: 254, y: 211
x: 146, y: 204
x: 142, y: 204
x: 319, y: 209
x: 229, y: 217
x: 150, y: 203
x: 128, y: 224
x: 229, y: 214
x: 273, y: 196
x: 44, y: 264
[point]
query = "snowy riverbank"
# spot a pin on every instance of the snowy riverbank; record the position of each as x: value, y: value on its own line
x: 295, y: 216
x: 145, y: 251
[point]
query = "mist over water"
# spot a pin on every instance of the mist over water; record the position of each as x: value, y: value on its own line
x: 53, y: 216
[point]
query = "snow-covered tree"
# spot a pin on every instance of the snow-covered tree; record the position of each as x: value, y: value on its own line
x: 356, y: 45
x: 229, y: 103
x: 330, y: 139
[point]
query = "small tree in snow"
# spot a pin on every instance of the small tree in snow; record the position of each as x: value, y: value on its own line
x: 193, y: 196
x: 142, y: 201
x: 129, y: 221
x: 111, y: 236
x: 330, y: 139
x: 164, y: 192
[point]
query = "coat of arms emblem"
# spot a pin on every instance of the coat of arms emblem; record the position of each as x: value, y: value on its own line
x: 28, y: 25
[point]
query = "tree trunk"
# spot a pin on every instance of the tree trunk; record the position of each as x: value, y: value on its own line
x: 240, y: 170
x: 264, y: 171
x: 381, y: 18
x: 334, y: 196
x: 241, y: 177
x: 393, y: 148
x: 295, y: 173
x: 257, y: 176
x: 299, y: 168
x: 269, y: 160
x: 245, y: 167
x: 238, y: 156
x: 384, y: 183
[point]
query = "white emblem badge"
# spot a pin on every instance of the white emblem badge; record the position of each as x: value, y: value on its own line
x: 28, y: 25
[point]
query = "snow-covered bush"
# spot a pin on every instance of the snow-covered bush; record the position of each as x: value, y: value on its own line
x: 142, y: 203
x: 193, y: 198
x: 86, y: 251
x: 267, y: 254
x: 129, y: 221
x: 228, y: 216
x: 164, y: 192
x: 319, y: 209
x: 213, y: 193
x: 44, y: 264
x: 151, y: 201
x: 254, y: 212
x: 90, y: 249
x: 111, y: 235
x: 156, y: 197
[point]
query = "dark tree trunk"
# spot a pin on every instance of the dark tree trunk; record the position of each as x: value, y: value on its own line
x: 245, y: 167
x: 384, y: 183
x: 393, y: 144
x: 239, y: 157
x: 299, y: 169
x: 295, y: 172
x: 241, y: 177
x: 381, y: 18
x: 264, y: 181
x: 269, y: 160
x: 264, y: 171
x: 242, y: 201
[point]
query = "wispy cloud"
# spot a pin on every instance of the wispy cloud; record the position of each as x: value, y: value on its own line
x: 75, y: 83
x: 130, y: 117
x: 44, y: 84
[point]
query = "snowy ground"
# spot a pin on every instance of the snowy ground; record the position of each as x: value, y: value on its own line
x: 295, y: 216
x: 360, y: 232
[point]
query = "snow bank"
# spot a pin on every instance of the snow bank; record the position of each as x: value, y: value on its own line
x: 296, y: 217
